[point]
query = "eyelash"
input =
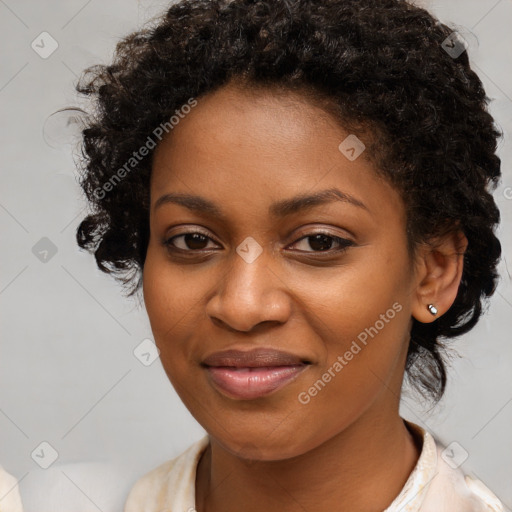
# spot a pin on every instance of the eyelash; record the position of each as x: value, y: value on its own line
x: 344, y: 243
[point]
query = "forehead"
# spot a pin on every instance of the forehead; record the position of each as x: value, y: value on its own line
x: 240, y: 146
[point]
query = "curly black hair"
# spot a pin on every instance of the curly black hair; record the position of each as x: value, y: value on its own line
x: 381, y: 67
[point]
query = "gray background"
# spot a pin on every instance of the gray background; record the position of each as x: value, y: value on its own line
x: 68, y: 374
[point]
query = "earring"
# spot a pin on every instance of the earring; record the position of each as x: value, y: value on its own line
x: 432, y: 309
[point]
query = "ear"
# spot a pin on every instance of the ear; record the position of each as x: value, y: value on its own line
x: 439, y: 266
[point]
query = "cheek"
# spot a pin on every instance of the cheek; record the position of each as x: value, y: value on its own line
x: 168, y: 299
x: 174, y: 301
x: 360, y: 321
x: 169, y: 294
x: 361, y: 352
x: 346, y: 302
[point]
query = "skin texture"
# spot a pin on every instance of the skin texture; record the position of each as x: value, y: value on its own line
x: 245, y: 150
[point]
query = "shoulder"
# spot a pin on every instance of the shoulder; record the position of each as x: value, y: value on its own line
x: 10, y: 500
x: 438, y: 484
x: 171, y: 484
x: 82, y: 486
x: 451, y: 489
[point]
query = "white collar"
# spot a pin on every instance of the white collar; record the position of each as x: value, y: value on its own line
x: 171, y: 486
x: 413, y: 492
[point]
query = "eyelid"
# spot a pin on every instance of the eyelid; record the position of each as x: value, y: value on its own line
x: 320, y: 231
x: 191, y: 228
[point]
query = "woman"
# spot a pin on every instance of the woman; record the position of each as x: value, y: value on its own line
x: 302, y: 191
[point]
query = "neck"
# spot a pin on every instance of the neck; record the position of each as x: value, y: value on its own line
x: 363, y: 468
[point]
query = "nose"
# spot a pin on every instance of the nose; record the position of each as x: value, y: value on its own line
x: 249, y: 293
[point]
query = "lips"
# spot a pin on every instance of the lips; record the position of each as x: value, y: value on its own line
x: 246, y: 375
x: 252, y: 358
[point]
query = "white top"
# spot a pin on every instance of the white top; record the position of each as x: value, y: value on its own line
x: 10, y: 500
x: 433, y: 486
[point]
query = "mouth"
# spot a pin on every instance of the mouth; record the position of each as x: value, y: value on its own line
x: 247, y: 375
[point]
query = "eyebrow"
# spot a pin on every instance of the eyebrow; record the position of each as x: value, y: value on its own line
x: 282, y: 208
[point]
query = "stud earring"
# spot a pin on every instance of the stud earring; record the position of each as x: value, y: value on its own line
x: 432, y: 309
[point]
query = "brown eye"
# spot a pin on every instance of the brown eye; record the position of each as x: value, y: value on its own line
x: 188, y: 242
x: 322, y: 242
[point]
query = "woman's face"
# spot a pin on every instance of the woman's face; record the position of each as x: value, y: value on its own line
x: 258, y: 275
